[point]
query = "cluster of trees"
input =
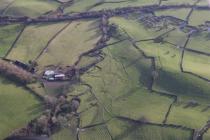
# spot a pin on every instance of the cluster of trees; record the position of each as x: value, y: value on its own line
x: 104, y: 30
x: 15, y: 73
x: 59, y: 113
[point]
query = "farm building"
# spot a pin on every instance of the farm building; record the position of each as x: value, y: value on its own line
x: 24, y: 66
x: 52, y: 75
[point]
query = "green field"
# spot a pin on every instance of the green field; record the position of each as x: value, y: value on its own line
x: 64, y: 134
x: 135, y: 29
x: 198, y: 64
x: 65, y: 50
x: 8, y: 35
x: 198, y: 17
x: 200, y: 42
x: 203, y: 2
x: 87, y: 5
x: 31, y: 8
x: 182, y: 14
x: 4, y: 4
x: 129, y: 73
x: 95, y: 133
x: 17, y: 107
x: 184, y: 85
x: 206, y: 136
x: 33, y: 40
x: 193, y: 117
x: 169, y: 2
x: 126, y: 130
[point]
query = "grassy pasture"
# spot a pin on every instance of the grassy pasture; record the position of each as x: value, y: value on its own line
x: 131, y: 74
x: 198, y: 64
x: 203, y: 2
x: 38, y: 88
x: 181, y: 13
x: 194, y: 117
x: 199, y: 17
x: 65, y: 134
x: 31, y: 8
x: 119, y: 83
x: 79, y: 37
x: 33, y: 40
x: 142, y: 105
x: 168, y: 60
x: 176, y: 37
x: 17, y: 107
x: 135, y: 29
x: 4, y: 4
x: 125, y: 4
x: 95, y: 133
x: 93, y: 115
x: 175, y: 2
x: 184, y: 85
x: 8, y: 35
x: 88, y: 102
x: 124, y: 130
x: 206, y: 136
x: 85, y: 5
x: 80, y: 6
x: 200, y: 42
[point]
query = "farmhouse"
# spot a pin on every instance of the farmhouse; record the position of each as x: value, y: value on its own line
x: 52, y: 75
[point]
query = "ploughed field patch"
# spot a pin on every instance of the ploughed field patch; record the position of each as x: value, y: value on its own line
x: 142, y: 74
